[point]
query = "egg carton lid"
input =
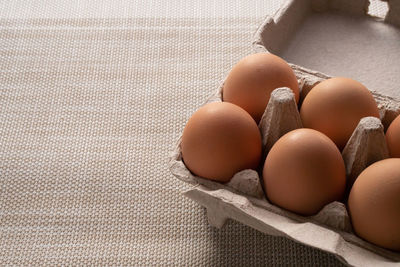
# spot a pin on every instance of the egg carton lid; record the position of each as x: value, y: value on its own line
x: 337, y: 37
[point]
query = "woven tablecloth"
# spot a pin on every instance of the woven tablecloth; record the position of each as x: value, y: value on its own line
x: 93, y: 96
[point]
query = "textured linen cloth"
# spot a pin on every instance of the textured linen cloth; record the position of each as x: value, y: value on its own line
x: 93, y: 96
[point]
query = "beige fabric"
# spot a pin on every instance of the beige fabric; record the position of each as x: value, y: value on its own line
x: 89, y: 110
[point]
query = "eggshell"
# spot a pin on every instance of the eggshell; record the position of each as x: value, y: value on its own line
x: 304, y: 171
x: 374, y: 204
x: 252, y: 79
x: 393, y: 138
x: 219, y: 140
x: 335, y: 107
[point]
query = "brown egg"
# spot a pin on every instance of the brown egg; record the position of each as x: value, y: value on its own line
x: 219, y: 140
x: 374, y: 204
x: 335, y: 107
x: 393, y: 138
x: 304, y: 171
x: 252, y: 79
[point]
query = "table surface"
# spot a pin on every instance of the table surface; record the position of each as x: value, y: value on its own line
x: 93, y: 97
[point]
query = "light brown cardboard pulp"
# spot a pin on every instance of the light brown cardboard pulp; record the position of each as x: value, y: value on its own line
x: 243, y: 200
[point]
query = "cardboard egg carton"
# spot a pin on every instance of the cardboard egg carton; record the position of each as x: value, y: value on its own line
x: 243, y: 199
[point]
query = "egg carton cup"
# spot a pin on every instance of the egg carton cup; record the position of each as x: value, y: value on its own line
x: 243, y: 199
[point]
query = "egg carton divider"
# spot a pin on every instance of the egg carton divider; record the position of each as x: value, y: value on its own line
x: 366, y: 145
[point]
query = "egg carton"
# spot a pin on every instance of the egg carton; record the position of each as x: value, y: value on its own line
x: 242, y: 198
